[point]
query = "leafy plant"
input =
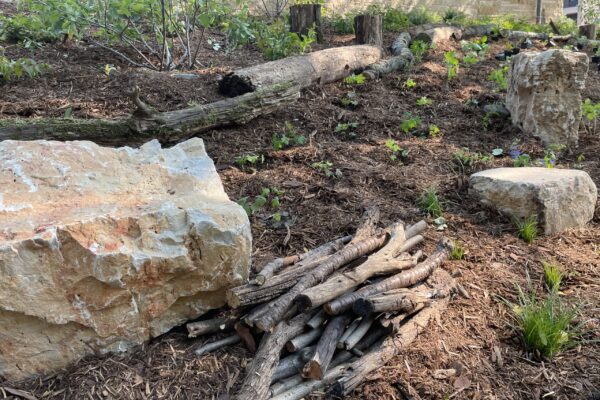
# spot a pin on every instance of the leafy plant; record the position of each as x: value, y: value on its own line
x: 349, y: 129
x: 478, y: 46
x: 434, y: 130
x: 354, y: 79
x: 396, y: 150
x: 422, y: 16
x: 395, y: 20
x: 326, y: 167
x: 452, y: 64
x: 277, y: 42
x: 342, y: 24
x: 471, y: 59
x: 350, y: 100
x: 424, y: 101
x: 551, y: 155
x: 419, y: 48
x: 249, y: 159
x: 430, y: 203
x: 410, y: 123
x: 523, y: 160
x: 465, y: 159
x: 15, y: 69
x: 410, y: 84
x: 553, y: 275
x: 527, y: 228
x: 267, y: 197
x: 500, y: 78
x: 458, y: 251
x: 545, y: 325
x: 591, y: 112
x: 288, y: 138
x: 453, y: 16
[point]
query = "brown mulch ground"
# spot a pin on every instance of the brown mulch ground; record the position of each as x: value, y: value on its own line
x: 475, y: 335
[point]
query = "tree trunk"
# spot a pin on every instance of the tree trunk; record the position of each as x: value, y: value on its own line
x: 319, y: 67
x: 589, y: 31
x: 402, y: 59
x: 277, y: 308
x: 303, y: 17
x: 403, y: 279
x: 257, y: 381
x: 315, y: 367
x: 144, y: 125
x: 478, y: 30
x: 369, y: 29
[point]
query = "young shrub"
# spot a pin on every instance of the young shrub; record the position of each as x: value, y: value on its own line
x: 422, y: 16
x: 396, y: 150
x: 395, y: 20
x: 430, y: 203
x: 455, y: 17
x: 591, y: 112
x: 326, y: 167
x: 15, y: 69
x: 500, y: 78
x: 527, y: 229
x: 347, y: 129
x: 553, y: 275
x: 288, y: 138
x: 277, y: 42
x: 410, y: 123
x: 350, y: 100
x: 545, y: 325
x: 249, y: 160
x: 458, y: 251
x: 434, y: 131
x: 409, y: 83
x: 355, y: 80
x: 424, y: 101
x: 419, y: 48
x: 452, y: 64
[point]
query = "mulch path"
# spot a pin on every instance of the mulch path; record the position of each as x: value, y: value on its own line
x: 475, y: 336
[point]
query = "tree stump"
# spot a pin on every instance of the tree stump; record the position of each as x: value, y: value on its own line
x: 369, y: 29
x: 303, y: 17
x: 589, y: 31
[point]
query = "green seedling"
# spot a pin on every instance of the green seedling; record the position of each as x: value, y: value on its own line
x: 527, y: 229
x: 430, y: 203
x: 424, y: 101
x: 326, y: 167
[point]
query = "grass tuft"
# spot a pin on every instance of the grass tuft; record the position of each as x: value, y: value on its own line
x: 430, y: 203
x: 546, y: 325
x: 528, y: 228
x: 553, y: 275
x: 458, y: 251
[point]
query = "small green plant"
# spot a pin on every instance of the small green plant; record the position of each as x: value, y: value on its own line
x: 429, y: 203
x: 410, y: 84
x: 434, y: 130
x: 477, y: 46
x: 453, y: 16
x: 553, y: 275
x: 355, y: 79
x: 465, y: 159
x: 500, y: 78
x: 326, y: 167
x: 277, y: 42
x: 108, y: 69
x: 249, y: 159
x: 267, y: 197
x: 522, y: 160
x: 527, y: 229
x: 424, y: 101
x: 452, y: 64
x: 350, y: 100
x: 348, y: 129
x: 419, y: 48
x: 288, y: 138
x: 546, y: 325
x: 551, y: 155
x: 458, y: 251
x: 15, y: 69
x: 422, y: 16
x: 470, y: 59
x: 395, y: 20
x: 397, y: 152
x: 410, y: 123
x: 591, y: 112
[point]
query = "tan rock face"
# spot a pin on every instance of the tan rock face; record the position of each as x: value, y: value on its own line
x: 102, y: 249
x: 561, y: 198
x: 544, y: 94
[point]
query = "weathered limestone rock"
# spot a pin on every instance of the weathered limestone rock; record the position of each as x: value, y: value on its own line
x: 561, y: 198
x: 102, y: 249
x: 544, y: 94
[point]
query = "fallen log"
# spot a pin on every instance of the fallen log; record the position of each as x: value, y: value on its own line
x: 319, y: 67
x: 478, y: 30
x: 403, y: 279
x: 214, y: 325
x: 380, y: 263
x: 276, y: 309
x: 317, y: 320
x: 439, y: 34
x: 402, y: 302
x: 258, y: 379
x: 146, y: 124
x: 293, y: 364
x: 301, y: 341
x: 402, y: 59
x: 319, y: 362
x: 349, y: 330
x: 516, y: 35
x: 357, y: 335
x: 210, y: 347
x: 382, y: 353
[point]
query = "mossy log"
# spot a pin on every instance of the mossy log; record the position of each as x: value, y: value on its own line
x: 317, y: 68
x: 146, y: 124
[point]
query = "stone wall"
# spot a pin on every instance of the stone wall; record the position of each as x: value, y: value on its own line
x: 475, y: 8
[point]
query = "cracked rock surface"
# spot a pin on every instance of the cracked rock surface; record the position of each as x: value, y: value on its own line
x: 102, y: 249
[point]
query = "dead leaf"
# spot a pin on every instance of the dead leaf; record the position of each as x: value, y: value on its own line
x: 444, y: 373
x: 462, y: 383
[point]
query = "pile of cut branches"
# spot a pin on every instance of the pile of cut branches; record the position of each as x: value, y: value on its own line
x: 330, y: 316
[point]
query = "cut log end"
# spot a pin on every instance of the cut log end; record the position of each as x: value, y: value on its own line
x: 312, y: 370
x: 363, y: 307
x: 303, y: 302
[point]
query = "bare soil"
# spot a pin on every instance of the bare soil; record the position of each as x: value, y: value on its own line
x: 475, y: 336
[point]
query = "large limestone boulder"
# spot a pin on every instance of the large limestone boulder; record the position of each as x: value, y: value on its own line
x: 544, y: 94
x: 102, y: 249
x: 561, y: 198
